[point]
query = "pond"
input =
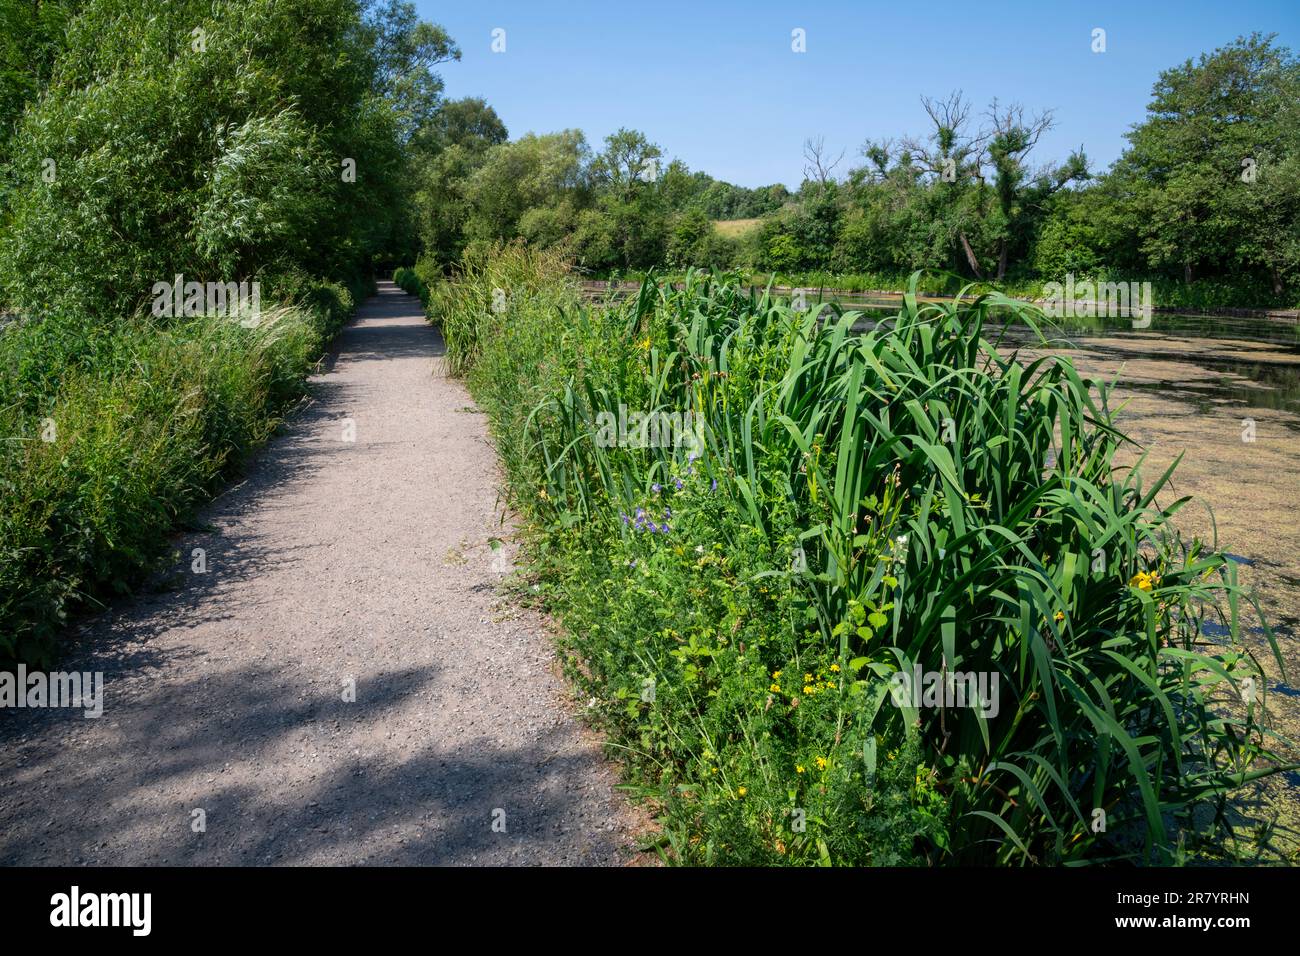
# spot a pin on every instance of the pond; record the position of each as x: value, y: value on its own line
x: 1225, y: 393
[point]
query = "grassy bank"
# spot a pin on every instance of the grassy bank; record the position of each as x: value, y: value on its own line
x: 830, y: 510
x: 115, y: 432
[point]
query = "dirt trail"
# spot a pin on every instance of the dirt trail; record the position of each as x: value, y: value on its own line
x: 336, y: 561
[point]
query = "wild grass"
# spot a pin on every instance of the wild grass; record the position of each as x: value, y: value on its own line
x: 487, y: 285
x: 864, y: 502
x: 114, y: 434
x: 735, y: 228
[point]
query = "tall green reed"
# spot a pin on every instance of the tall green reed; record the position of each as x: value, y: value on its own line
x: 959, y: 510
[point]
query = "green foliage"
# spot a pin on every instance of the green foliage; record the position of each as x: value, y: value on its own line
x: 515, y: 177
x: 694, y: 241
x: 945, y: 507
x: 409, y: 281
x: 969, y: 201
x: 1182, y: 186
x: 218, y: 154
x: 476, y: 304
x: 721, y: 200
x: 621, y: 208
x: 31, y: 36
x: 114, y: 435
x: 404, y: 50
x: 140, y: 141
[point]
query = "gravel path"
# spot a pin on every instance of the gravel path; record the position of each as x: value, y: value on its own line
x: 336, y: 564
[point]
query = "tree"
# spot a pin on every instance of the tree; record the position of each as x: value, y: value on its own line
x: 226, y: 141
x: 405, y: 51
x: 31, y: 36
x: 531, y: 172
x: 1010, y: 139
x: 444, y: 157
x: 818, y: 167
x: 628, y: 160
x: 468, y: 122
x: 1216, y: 129
x: 948, y: 167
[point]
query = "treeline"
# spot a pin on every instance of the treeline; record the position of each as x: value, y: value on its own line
x: 621, y: 206
x: 1206, y: 194
x: 235, y: 144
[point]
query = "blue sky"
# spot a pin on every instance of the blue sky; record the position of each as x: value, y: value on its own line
x: 717, y: 85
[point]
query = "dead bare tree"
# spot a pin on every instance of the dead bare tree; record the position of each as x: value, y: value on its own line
x: 949, y: 148
x: 816, y: 167
x: 951, y: 152
x: 1012, y: 136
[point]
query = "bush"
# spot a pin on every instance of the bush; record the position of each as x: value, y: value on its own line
x: 208, y: 139
x: 695, y: 242
x: 218, y: 165
x: 409, y: 281
x: 859, y: 505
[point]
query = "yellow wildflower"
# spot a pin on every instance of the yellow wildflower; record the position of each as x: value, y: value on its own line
x: 798, y: 768
x: 835, y: 668
x: 822, y: 763
x: 742, y: 791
